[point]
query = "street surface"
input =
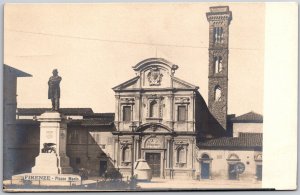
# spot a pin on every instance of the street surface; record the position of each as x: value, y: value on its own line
x: 167, y: 184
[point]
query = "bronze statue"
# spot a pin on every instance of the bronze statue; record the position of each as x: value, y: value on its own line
x: 54, y: 90
x: 48, y: 148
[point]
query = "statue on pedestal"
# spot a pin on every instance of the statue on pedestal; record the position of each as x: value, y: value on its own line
x: 54, y: 90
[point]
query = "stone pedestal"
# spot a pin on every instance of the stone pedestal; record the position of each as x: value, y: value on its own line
x: 142, y: 170
x: 52, y: 158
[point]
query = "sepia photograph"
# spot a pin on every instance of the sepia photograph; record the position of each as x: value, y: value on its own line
x: 133, y: 96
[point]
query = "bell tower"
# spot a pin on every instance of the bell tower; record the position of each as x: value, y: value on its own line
x: 219, y: 19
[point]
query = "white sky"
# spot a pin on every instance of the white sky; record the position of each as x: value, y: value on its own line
x: 94, y: 47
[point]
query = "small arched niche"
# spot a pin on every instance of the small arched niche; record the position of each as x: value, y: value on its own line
x: 217, y: 93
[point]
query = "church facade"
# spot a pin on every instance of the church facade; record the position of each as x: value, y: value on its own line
x: 155, y: 114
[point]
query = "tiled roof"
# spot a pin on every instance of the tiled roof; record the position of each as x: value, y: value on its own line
x: 98, y: 119
x: 249, y: 117
x: 97, y: 122
x: 244, y: 141
x: 66, y: 111
x: 80, y: 122
x: 89, y: 117
x: 107, y: 115
x: 27, y: 122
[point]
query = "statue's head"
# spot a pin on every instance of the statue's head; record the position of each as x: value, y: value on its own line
x: 55, y: 72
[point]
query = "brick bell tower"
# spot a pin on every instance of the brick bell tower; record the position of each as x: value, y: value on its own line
x: 219, y: 19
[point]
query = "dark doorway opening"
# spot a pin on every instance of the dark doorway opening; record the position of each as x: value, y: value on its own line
x: 204, y: 170
x: 102, y: 167
x: 232, y: 173
x: 259, y: 172
x: 153, y: 160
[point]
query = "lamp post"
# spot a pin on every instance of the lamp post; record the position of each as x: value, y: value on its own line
x: 133, y: 128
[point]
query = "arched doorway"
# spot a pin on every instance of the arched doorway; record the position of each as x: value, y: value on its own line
x: 232, y: 171
x: 205, y: 166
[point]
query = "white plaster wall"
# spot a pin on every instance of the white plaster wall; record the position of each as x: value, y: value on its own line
x: 247, y: 128
x: 104, y: 141
x: 219, y: 164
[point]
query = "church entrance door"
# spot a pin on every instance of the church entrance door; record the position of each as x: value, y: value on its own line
x: 153, y: 159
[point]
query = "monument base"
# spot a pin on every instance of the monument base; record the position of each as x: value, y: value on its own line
x: 52, y: 158
x: 50, y: 163
x: 46, y: 179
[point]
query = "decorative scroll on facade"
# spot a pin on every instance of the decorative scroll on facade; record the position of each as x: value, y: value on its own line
x: 154, y: 77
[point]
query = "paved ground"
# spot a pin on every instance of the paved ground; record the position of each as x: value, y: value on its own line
x: 166, y: 184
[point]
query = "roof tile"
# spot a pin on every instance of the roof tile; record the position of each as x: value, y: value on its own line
x: 66, y: 111
x: 248, y: 117
x: 245, y: 140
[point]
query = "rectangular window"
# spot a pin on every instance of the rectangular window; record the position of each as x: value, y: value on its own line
x: 126, y: 113
x: 181, y: 113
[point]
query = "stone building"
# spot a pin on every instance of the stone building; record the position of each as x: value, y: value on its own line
x: 89, y: 139
x: 217, y: 157
x: 10, y: 76
x: 250, y: 122
x: 155, y: 114
x: 219, y: 19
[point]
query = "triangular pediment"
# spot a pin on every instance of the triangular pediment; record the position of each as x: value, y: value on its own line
x: 181, y: 84
x: 157, y: 74
x: 130, y: 84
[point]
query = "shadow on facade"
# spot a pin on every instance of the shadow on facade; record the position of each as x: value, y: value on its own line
x: 27, y: 146
x: 207, y: 126
x: 85, y: 148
